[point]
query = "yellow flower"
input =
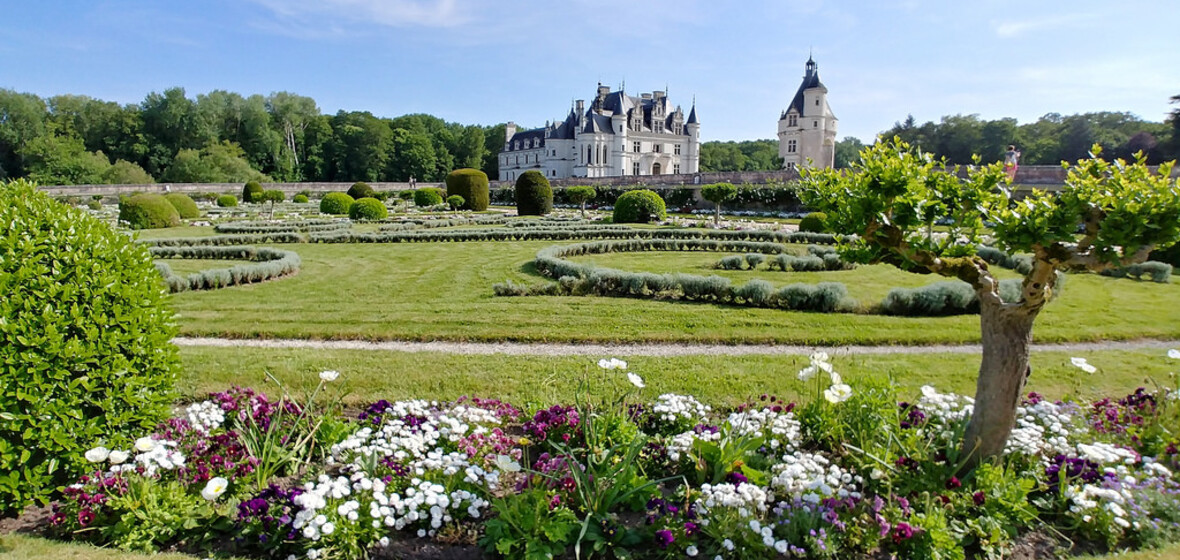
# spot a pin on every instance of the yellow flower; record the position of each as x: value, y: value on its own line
x: 524, y: 441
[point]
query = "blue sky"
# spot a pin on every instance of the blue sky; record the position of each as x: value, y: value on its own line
x: 491, y: 61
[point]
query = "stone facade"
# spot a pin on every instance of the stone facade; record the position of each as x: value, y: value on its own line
x: 617, y: 135
x: 807, y: 129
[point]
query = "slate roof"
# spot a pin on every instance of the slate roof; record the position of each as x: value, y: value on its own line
x: 810, y: 80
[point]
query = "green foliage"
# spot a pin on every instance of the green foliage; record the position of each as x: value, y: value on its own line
x: 815, y: 222
x: 719, y: 192
x: 148, y: 211
x: 732, y: 262
x: 534, y: 196
x: 472, y: 186
x: 85, y: 343
x: 455, y: 202
x: 184, y: 205
x: 360, y: 190
x: 427, y: 196
x: 580, y: 194
x: 227, y: 201
x: 300, y: 199
x: 750, y: 155
x: 251, y: 190
x: 268, y: 264
x: 526, y: 527
x: 126, y: 173
x: 1158, y: 272
x: 639, y: 207
x: 336, y: 203
x: 368, y: 209
x: 270, y: 195
x: 217, y: 162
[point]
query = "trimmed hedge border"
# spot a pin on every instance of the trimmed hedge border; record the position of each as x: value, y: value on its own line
x: 525, y: 234
x: 293, y: 226
x: 267, y: 264
x: 223, y: 240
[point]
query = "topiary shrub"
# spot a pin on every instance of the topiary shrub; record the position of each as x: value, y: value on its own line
x: 185, y: 206
x: 250, y: 191
x: 639, y: 207
x: 815, y: 222
x: 368, y: 209
x: 534, y: 196
x: 472, y: 185
x: 300, y: 199
x: 427, y: 196
x: 580, y: 195
x: 360, y: 190
x: 86, y: 358
x: 455, y: 202
x: 406, y: 195
x: 148, y: 211
x: 227, y: 201
x: 336, y: 203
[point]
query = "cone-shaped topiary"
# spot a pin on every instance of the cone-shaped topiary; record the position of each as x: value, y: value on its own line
x: 534, y: 196
x: 368, y: 209
x: 472, y: 185
x: 336, y: 203
x: 427, y: 196
x: 250, y: 191
x: 359, y: 190
x: 148, y: 211
x: 185, y: 206
x: 86, y: 358
x: 227, y: 200
x: 639, y: 207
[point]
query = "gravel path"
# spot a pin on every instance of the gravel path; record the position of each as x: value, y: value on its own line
x: 559, y: 349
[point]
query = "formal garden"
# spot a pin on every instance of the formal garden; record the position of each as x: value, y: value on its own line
x: 687, y: 436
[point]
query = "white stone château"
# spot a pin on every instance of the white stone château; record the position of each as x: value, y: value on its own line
x: 617, y: 135
x: 807, y: 129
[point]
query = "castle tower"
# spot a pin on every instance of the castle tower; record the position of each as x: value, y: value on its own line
x: 807, y: 129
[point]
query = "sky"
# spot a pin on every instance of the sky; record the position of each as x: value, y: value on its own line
x: 492, y: 61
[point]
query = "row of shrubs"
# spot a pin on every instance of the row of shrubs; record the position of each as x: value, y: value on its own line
x: 818, y: 259
x: 951, y: 298
x: 289, y: 226
x: 402, y: 225
x: 514, y: 234
x: 823, y: 297
x: 784, y: 196
x: 551, y: 261
x: 225, y: 240
x: 151, y: 211
x: 267, y: 264
x: 1160, y: 272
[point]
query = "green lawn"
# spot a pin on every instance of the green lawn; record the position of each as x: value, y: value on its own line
x: 443, y: 291
x: 720, y: 380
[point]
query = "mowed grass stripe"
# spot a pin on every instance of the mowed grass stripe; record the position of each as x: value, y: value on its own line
x: 443, y: 291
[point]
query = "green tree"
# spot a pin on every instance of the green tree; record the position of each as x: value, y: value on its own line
x: 414, y: 155
x: 171, y: 124
x: 62, y: 160
x: 272, y: 196
x: 895, y: 194
x: 718, y: 193
x: 22, y: 118
x: 847, y: 151
x: 291, y: 115
x: 218, y: 162
x: 361, y: 146
x: 580, y: 195
x: 126, y: 173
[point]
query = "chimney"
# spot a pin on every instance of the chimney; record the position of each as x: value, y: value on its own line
x: 581, y: 106
x: 509, y: 131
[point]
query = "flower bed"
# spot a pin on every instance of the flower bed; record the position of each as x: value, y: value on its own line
x: 851, y: 472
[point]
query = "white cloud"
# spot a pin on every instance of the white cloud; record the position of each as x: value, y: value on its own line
x: 390, y: 13
x: 1021, y: 27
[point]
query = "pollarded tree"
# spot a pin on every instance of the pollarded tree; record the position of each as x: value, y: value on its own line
x: 272, y: 196
x: 580, y: 195
x: 718, y: 193
x: 894, y: 195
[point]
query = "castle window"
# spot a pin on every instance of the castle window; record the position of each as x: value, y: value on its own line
x: 676, y: 168
x: 635, y: 147
x: 792, y: 120
x: 676, y: 149
x: 817, y: 102
x: 516, y: 145
x: 635, y: 168
x: 791, y: 165
x: 791, y: 145
x: 517, y: 160
x: 815, y: 124
x: 657, y: 148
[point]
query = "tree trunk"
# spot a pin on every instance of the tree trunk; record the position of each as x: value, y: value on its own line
x: 1007, y: 335
x: 716, y: 213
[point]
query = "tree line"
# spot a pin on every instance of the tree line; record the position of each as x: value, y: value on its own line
x: 222, y: 136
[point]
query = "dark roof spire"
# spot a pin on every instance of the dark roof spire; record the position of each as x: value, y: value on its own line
x: 692, y: 115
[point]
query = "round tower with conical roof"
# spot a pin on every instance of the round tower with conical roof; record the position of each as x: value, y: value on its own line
x: 807, y: 129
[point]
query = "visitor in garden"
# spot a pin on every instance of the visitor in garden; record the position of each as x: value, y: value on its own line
x: 1011, y: 162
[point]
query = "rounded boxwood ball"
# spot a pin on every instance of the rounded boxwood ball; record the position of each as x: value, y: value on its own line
x: 639, y: 207
x: 251, y: 191
x: 185, y: 206
x: 427, y: 196
x: 300, y: 199
x: 227, y: 200
x: 360, y: 190
x: 368, y: 209
x: 148, y: 211
x: 534, y: 196
x: 336, y: 203
x: 816, y: 222
x: 472, y: 185
x: 86, y: 357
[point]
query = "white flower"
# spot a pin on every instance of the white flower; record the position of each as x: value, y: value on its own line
x: 612, y: 363
x: 838, y: 393
x: 820, y: 356
x: 118, y: 457
x: 97, y: 455
x: 1081, y: 364
x: 1174, y: 354
x: 691, y: 550
x: 145, y: 444
x: 836, y: 380
x: 877, y: 474
x: 329, y: 375
x: 214, y: 488
x: 635, y: 380
x: 506, y: 464
x: 807, y: 373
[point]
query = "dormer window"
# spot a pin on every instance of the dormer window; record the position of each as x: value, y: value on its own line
x: 792, y: 120
x: 516, y: 145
